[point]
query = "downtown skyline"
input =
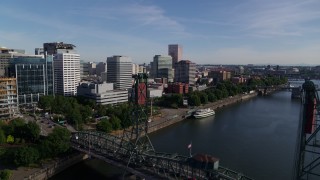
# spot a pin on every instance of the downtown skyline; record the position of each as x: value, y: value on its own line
x: 211, y: 32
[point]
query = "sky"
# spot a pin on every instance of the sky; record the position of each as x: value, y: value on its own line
x: 278, y: 32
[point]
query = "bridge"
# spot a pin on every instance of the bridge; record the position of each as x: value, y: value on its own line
x: 147, y: 164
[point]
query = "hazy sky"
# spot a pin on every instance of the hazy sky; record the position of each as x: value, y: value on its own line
x: 210, y: 31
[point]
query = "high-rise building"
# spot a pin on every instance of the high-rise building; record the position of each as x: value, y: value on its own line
x: 38, y: 51
x: 100, y: 68
x: 161, y: 67
x: 5, y: 56
x: 34, y: 77
x: 219, y: 75
x: 119, y: 72
x: 175, y: 51
x: 8, y: 98
x: 92, y: 68
x: 185, y: 71
x: 52, y: 48
x: 135, y: 68
x: 66, y: 67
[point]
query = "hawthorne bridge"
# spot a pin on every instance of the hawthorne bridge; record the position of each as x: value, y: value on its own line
x: 146, y: 163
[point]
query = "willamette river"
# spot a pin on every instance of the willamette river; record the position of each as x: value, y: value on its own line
x: 256, y: 137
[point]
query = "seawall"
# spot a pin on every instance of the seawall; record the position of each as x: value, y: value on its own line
x: 56, y: 167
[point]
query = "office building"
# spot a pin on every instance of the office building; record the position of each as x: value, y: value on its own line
x: 8, y: 98
x: 92, y: 68
x: 175, y: 51
x: 177, y: 88
x: 161, y: 67
x: 5, y: 56
x: 34, y: 77
x: 185, y: 71
x: 218, y: 76
x: 66, y: 67
x: 38, y: 51
x: 135, y: 68
x: 103, y: 93
x: 100, y: 68
x: 52, y: 48
x: 119, y: 72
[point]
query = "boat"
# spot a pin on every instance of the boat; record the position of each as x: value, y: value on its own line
x: 201, y: 113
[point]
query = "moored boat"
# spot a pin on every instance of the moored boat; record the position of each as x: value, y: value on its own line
x: 201, y: 113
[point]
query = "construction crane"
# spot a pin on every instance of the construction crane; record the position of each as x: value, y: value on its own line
x: 308, y: 144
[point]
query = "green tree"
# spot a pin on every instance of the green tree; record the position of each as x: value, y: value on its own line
x: 45, y: 149
x: 32, y: 131
x: 10, y: 139
x: 2, y: 137
x: 194, y: 100
x: 211, y: 97
x: 86, y: 113
x: 104, y: 125
x: 74, y: 117
x: 218, y: 94
x: 177, y: 98
x: 203, y: 98
x: 101, y: 110
x: 15, y: 127
x: 5, y: 174
x: 115, y: 123
x: 59, y: 140
x: 25, y: 156
x: 221, y: 86
x: 59, y: 104
x: 46, y: 102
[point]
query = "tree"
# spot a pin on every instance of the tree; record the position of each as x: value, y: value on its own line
x: 86, y: 113
x: 45, y: 149
x: 218, y: 94
x: 32, y: 131
x: 211, y: 97
x: 203, y: 98
x: 101, y: 110
x: 194, y: 100
x: 59, y: 140
x: 177, y: 98
x: 10, y: 139
x: 5, y: 174
x: 46, y: 102
x: 2, y: 137
x: 25, y: 156
x: 104, y: 125
x: 15, y: 127
x: 74, y: 117
x: 115, y: 122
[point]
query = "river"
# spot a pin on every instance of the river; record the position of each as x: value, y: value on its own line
x: 256, y: 137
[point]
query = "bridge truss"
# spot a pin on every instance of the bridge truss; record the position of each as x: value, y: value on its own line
x: 152, y: 165
x: 308, y: 144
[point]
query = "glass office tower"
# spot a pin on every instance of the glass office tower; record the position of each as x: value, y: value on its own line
x: 34, y: 78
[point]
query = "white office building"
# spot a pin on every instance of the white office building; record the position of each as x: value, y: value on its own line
x: 119, y: 72
x: 102, y: 93
x: 66, y: 72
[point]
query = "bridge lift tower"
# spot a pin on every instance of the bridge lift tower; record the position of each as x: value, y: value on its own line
x: 308, y: 144
x: 136, y: 138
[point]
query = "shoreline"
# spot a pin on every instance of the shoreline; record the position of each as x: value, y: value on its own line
x: 172, y: 116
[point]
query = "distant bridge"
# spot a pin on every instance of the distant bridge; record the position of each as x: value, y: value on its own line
x: 146, y: 164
